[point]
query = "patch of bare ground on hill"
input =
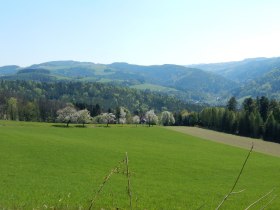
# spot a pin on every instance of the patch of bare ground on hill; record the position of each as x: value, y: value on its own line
x: 265, y: 147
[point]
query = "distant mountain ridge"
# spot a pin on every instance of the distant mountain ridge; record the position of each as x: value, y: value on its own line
x: 242, y: 71
x: 199, y: 83
x: 8, y: 70
x: 267, y: 85
x: 189, y: 84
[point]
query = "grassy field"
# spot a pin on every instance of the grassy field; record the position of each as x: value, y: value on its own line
x: 43, y: 166
x: 260, y: 145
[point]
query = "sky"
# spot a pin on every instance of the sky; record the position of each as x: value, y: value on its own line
x: 144, y: 32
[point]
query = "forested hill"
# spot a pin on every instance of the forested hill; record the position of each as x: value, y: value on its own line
x: 42, y: 99
x: 212, y: 84
x: 242, y: 71
x: 267, y: 85
x: 188, y: 84
x: 178, y: 77
x: 9, y: 70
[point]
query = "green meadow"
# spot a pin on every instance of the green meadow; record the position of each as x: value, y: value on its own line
x: 43, y: 166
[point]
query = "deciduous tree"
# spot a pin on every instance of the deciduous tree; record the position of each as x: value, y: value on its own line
x: 83, y: 117
x: 136, y: 120
x: 12, y: 109
x: 151, y: 118
x: 122, y: 116
x: 67, y: 114
x: 167, y: 118
x: 107, y: 118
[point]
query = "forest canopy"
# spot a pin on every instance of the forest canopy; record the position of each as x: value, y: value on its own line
x: 39, y: 101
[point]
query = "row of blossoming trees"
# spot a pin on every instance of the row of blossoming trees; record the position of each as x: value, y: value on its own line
x: 70, y: 114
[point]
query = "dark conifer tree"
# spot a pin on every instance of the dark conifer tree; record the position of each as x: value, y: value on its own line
x: 269, y: 127
x: 264, y: 107
x: 232, y: 104
x: 249, y: 105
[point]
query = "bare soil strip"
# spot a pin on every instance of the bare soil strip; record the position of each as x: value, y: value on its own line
x: 269, y: 148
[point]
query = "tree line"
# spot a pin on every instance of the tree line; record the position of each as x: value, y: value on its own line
x: 70, y: 114
x: 37, y: 101
x: 40, y: 101
x: 257, y: 118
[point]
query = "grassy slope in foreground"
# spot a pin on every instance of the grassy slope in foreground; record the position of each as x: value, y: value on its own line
x: 41, y: 164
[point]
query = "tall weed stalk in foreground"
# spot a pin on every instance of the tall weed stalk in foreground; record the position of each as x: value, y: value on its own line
x: 235, y: 183
x: 113, y: 171
x: 237, y: 179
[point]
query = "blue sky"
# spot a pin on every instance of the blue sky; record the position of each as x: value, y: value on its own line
x: 141, y: 32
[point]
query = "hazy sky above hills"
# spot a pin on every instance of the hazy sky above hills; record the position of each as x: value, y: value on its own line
x: 140, y: 32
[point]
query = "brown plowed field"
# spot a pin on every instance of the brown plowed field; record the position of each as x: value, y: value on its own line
x: 269, y: 148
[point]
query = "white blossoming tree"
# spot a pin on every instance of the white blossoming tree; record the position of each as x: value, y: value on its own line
x: 67, y: 114
x: 107, y: 118
x: 122, y: 119
x: 167, y: 118
x: 151, y: 118
x: 83, y: 117
x: 136, y: 120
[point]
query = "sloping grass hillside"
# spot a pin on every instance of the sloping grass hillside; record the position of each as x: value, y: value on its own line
x: 44, y: 166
